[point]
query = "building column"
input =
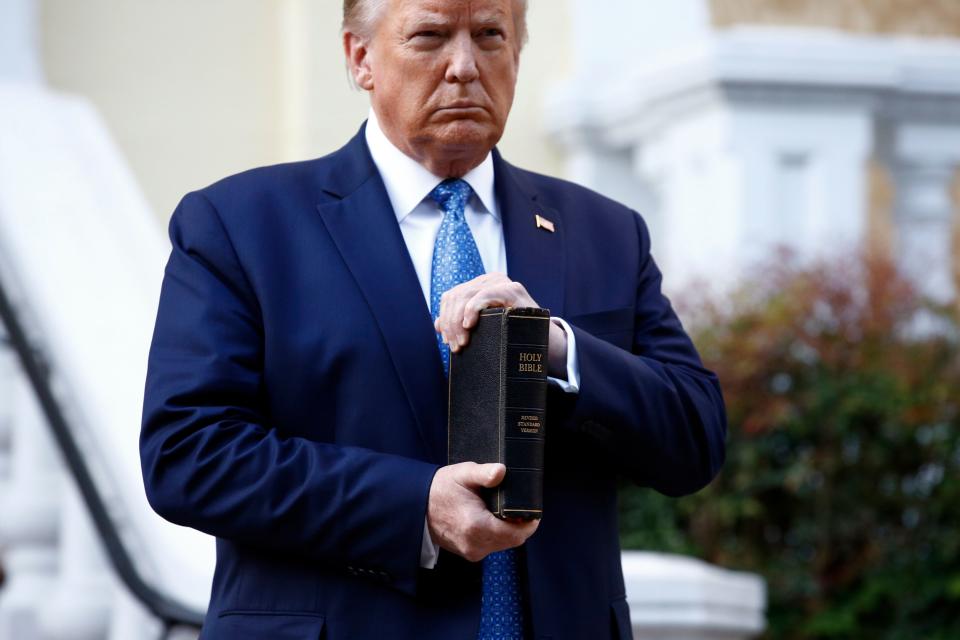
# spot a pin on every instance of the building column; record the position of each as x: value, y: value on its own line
x: 926, y: 159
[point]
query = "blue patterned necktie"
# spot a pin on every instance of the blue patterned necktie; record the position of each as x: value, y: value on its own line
x: 455, y: 256
x: 457, y: 260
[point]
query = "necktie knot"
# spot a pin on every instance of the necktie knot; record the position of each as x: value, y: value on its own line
x: 452, y: 195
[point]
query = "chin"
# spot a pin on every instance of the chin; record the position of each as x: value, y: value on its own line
x: 467, y: 134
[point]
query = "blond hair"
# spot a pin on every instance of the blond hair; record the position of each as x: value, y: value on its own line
x: 360, y: 17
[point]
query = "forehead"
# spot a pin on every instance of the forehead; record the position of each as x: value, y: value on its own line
x: 450, y: 9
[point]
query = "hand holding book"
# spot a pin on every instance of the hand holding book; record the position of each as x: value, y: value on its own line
x: 458, y: 519
x: 460, y: 309
x: 497, y: 406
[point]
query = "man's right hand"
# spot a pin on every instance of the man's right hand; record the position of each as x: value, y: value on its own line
x: 459, y: 520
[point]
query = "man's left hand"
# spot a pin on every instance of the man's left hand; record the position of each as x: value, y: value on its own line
x: 461, y: 305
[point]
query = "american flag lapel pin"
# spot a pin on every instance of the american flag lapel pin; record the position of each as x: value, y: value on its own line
x: 543, y: 223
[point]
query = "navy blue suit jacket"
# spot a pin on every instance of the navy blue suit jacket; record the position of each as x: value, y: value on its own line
x: 295, y: 404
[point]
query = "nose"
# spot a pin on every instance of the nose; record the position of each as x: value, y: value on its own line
x: 462, y: 66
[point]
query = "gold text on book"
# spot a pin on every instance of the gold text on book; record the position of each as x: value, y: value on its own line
x: 529, y: 424
x: 531, y: 362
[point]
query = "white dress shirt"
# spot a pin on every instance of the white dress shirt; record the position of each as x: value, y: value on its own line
x: 408, y: 186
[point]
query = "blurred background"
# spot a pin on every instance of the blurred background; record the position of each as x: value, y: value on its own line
x: 798, y: 162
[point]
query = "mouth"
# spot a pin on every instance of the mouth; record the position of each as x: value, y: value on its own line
x: 461, y: 107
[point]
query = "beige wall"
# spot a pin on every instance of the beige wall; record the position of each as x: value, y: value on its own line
x: 194, y: 91
x: 546, y: 61
x: 912, y: 17
x: 188, y: 88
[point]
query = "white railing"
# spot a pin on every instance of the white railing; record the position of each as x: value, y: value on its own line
x: 29, y: 508
x: 83, y: 257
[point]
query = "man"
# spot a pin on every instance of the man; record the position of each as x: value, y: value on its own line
x: 296, y: 395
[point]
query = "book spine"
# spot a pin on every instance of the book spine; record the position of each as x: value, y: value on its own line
x: 523, y: 412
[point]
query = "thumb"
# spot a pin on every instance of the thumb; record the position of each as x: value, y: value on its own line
x: 483, y: 475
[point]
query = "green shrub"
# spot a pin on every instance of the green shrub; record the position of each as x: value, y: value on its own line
x: 841, y: 484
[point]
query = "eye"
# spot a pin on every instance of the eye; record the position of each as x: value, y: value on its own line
x: 491, y: 32
x: 427, y: 39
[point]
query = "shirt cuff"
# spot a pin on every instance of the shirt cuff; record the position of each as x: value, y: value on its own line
x: 572, y: 383
x: 429, y: 551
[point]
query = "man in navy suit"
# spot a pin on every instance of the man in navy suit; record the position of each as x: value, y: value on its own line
x: 295, y: 401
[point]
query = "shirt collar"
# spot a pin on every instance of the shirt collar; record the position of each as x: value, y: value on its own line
x: 408, y: 182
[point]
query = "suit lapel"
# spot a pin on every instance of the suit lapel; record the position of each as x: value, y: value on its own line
x: 535, y: 257
x: 363, y: 226
x: 365, y: 230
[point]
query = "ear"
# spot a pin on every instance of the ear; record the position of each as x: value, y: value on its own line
x: 358, y: 60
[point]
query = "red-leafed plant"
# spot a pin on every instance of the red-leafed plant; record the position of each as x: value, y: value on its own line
x: 841, y: 485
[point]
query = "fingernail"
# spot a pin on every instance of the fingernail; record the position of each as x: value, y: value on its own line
x: 462, y: 340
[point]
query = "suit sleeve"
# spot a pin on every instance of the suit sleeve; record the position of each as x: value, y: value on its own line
x: 657, y: 411
x: 212, y: 460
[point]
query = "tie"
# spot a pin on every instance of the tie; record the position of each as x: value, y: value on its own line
x: 455, y: 255
x: 457, y: 260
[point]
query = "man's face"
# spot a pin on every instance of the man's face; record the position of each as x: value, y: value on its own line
x: 442, y: 76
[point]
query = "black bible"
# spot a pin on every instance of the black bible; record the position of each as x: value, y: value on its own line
x: 497, y: 405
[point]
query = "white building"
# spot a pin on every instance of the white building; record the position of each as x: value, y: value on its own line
x: 736, y: 126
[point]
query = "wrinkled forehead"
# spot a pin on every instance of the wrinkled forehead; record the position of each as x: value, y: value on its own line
x: 451, y: 10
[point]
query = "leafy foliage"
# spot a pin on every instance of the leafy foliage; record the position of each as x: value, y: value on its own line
x: 841, y: 485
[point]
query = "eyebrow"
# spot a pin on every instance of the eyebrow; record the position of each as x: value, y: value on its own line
x: 490, y: 17
x: 431, y: 17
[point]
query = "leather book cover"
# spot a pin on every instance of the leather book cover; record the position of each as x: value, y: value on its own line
x: 497, y: 405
